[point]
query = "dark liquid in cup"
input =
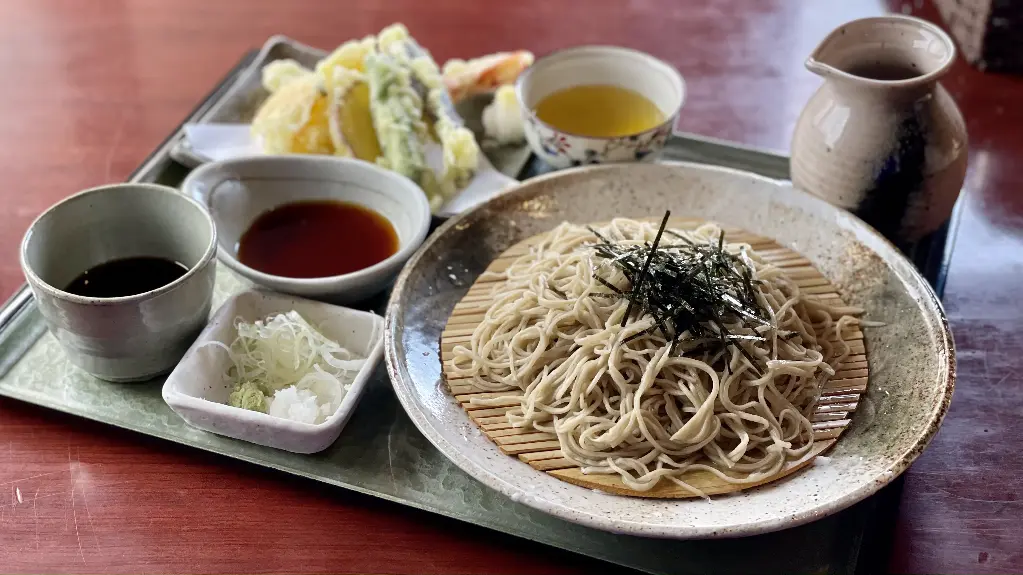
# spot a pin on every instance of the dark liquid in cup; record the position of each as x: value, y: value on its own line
x: 316, y: 239
x: 125, y: 277
x: 884, y: 72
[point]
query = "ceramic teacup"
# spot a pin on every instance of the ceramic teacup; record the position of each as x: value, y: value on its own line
x: 135, y: 337
x: 652, y: 78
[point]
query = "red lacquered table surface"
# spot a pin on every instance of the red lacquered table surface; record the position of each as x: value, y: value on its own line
x: 89, y: 88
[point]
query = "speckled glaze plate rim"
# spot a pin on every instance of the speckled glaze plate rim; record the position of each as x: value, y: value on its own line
x: 893, y: 260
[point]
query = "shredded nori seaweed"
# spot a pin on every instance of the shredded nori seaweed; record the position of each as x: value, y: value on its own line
x: 687, y: 287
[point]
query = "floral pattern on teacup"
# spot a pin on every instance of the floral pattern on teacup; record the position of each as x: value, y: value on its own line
x: 555, y: 144
x: 562, y: 150
x: 653, y: 142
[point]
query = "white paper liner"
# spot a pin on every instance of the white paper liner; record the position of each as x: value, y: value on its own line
x: 225, y: 141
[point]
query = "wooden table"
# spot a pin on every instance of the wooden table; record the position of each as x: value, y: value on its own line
x: 89, y: 88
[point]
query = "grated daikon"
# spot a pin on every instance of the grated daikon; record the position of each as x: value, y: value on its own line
x: 284, y: 367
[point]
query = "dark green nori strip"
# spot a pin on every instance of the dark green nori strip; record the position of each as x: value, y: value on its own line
x: 637, y: 286
x: 686, y: 287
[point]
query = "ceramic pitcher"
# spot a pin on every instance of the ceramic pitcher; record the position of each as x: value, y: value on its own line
x: 881, y: 137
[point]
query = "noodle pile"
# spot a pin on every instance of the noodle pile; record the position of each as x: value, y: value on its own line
x: 622, y: 399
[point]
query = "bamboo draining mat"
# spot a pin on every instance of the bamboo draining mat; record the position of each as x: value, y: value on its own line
x: 541, y: 450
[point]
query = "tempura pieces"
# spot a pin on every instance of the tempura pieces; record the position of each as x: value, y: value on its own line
x: 381, y: 99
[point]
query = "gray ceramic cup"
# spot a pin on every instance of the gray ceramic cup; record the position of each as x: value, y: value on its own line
x: 131, y: 338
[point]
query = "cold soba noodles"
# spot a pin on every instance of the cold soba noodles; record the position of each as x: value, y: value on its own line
x: 650, y: 355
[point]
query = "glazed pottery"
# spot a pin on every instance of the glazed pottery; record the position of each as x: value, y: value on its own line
x: 654, y: 79
x: 239, y: 190
x: 128, y: 338
x: 881, y: 137
x: 911, y: 359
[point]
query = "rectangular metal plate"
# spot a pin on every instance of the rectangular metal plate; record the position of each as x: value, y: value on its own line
x: 381, y: 453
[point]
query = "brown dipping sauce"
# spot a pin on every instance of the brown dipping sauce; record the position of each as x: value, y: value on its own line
x: 317, y: 239
x: 125, y: 277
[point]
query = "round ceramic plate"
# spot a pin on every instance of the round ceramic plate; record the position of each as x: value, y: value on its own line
x: 912, y: 364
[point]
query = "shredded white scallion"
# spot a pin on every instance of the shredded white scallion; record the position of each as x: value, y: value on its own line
x: 284, y: 367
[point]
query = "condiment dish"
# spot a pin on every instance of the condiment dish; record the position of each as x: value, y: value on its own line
x: 651, y: 77
x: 238, y: 191
x: 197, y: 392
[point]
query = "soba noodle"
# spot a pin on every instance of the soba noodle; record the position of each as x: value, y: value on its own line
x: 618, y: 399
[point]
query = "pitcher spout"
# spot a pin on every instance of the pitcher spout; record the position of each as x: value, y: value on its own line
x: 884, y: 51
x: 820, y: 68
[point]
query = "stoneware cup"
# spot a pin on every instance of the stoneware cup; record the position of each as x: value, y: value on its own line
x: 655, y: 79
x: 881, y: 137
x: 129, y: 338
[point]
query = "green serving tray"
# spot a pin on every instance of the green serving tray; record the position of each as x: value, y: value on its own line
x: 381, y: 454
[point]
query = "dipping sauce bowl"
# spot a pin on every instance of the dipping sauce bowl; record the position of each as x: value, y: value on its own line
x: 238, y: 191
x: 135, y: 337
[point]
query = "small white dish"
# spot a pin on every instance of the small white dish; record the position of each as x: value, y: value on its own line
x: 237, y: 191
x: 195, y: 390
x: 653, y: 78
